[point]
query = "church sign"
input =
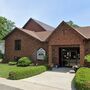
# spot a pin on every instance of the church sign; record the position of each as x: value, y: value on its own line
x: 41, y: 53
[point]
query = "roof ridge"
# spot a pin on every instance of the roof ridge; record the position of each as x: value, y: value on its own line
x: 42, y: 22
x: 44, y: 25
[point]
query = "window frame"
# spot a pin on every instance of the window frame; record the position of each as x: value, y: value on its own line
x: 17, y: 44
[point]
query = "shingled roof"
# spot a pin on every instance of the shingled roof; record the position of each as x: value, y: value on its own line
x: 41, y: 24
x: 44, y: 35
x: 84, y: 31
x: 45, y: 26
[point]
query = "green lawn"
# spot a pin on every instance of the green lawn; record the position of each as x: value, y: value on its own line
x: 82, y: 79
x: 5, y: 69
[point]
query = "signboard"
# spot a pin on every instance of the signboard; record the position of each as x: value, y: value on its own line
x: 41, y: 53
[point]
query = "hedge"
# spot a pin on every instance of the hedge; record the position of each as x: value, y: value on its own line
x: 26, y: 72
x: 82, y: 79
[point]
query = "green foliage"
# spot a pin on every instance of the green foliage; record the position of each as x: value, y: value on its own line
x: 87, y: 58
x: 25, y: 73
x: 82, y: 79
x: 12, y: 63
x: 49, y: 67
x: 24, y: 61
x: 72, y: 24
x: 5, y: 26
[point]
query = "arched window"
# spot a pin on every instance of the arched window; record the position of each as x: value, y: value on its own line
x: 41, y: 53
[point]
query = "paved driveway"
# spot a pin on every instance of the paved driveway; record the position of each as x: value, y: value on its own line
x: 58, y: 79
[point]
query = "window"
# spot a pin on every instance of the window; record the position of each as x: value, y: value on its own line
x: 17, y: 44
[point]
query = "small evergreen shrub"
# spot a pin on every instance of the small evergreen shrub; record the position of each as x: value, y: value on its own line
x: 12, y: 63
x: 24, y: 61
x: 26, y: 72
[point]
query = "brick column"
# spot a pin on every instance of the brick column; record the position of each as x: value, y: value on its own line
x: 50, y: 55
x: 82, y: 54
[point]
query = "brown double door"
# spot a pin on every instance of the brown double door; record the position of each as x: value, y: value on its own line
x: 69, y: 56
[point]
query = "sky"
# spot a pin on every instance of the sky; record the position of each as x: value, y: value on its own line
x: 52, y: 12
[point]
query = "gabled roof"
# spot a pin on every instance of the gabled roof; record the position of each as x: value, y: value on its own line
x: 41, y: 36
x: 84, y: 31
x: 44, y: 35
x: 45, y: 26
x: 41, y: 24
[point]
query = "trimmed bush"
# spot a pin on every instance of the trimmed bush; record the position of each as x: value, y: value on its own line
x: 12, y: 63
x: 24, y: 61
x: 82, y: 79
x: 26, y: 72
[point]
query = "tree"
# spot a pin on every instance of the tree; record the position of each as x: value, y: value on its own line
x: 5, y: 26
x: 71, y: 23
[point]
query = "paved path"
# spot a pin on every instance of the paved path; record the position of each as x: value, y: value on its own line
x: 58, y: 79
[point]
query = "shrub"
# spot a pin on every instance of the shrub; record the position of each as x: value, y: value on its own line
x: 87, y: 58
x: 24, y: 61
x: 26, y: 72
x: 49, y: 67
x: 12, y: 63
x: 82, y: 79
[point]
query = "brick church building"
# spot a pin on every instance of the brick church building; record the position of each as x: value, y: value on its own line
x: 63, y: 45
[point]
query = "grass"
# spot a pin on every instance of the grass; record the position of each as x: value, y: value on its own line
x: 82, y: 79
x: 5, y: 69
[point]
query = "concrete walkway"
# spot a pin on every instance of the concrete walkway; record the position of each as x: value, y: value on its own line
x: 57, y: 79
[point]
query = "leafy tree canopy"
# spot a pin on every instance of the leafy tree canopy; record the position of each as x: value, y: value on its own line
x: 72, y: 24
x: 5, y: 26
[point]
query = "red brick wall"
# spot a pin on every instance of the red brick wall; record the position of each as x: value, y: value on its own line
x: 87, y: 47
x: 29, y: 46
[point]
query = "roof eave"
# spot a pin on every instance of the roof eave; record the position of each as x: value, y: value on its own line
x: 9, y: 33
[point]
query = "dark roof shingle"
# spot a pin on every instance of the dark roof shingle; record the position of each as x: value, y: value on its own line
x: 45, y: 26
x: 42, y: 36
